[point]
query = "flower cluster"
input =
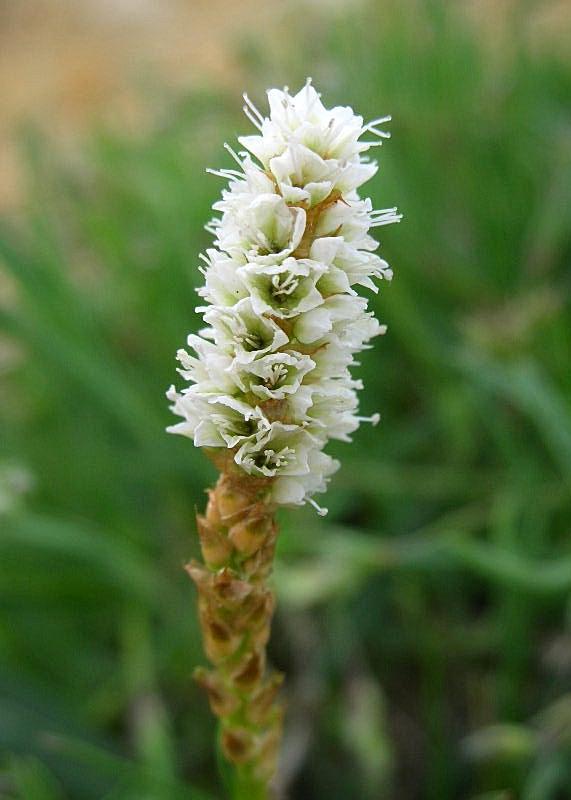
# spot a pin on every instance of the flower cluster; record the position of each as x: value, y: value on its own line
x: 270, y: 375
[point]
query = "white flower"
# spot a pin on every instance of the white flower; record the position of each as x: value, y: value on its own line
x: 333, y: 315
x: 223, y: 286
x: 296, y: 490
x: 265, y: 231
x: 348, y: 266
x: 217, y: 421
x: 331, y: 133
x: 274, y: 376
x: 334, y: 408
x: 284, y: 290
x: 271, y: 379
x: 302, y: 175
x: 279, y: 449
x: 209, y: 372
x: 242, y: 332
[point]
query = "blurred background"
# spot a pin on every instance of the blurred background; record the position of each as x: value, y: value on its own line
x: 425, y: 625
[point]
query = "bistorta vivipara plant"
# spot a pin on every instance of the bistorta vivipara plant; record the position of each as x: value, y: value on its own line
x: 270, y: 382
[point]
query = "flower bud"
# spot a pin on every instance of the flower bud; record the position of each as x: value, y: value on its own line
x: 232, y: 503
x: 215, y: 547
x: 223, y: 701
x: 220, y: 641
x: 250, y: 671
x: 261, y: 704
x: 237, y: 745
x: 248, y: 535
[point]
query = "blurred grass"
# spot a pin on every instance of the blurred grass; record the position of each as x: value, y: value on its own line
x: 425, y: 626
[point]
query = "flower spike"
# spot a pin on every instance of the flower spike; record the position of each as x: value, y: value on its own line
x: 268, y: 379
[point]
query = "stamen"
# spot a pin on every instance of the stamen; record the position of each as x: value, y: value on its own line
x: 384, y: 216
x: 227, y: 174
x: 374, y: 419
x: 252, y: 118
x: 289, y: 285
x: 372, y: 126
x: 382, y: 134
x: 320, y: 510
x: 277, y: 373
x: 252, y: 113
x: 380, y: 211
x: 380, y: 120
x: 235, y: 156
x: 252, y: 340
x: 306, y: 87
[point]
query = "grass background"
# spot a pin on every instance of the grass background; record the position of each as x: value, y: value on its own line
x: 425, y: 625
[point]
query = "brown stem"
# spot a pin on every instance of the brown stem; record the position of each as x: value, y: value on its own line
x: 237, y: 537
x: 311, y: 220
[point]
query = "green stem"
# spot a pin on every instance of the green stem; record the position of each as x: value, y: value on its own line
x: 247, y: 787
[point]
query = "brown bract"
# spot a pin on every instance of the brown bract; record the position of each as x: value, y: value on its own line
x: 237, y: 537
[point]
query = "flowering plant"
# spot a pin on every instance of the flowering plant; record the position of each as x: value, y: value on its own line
x: 269, y: 381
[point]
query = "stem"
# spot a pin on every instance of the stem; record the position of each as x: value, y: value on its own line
x: 248, y: 787
x: 237, y: 537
